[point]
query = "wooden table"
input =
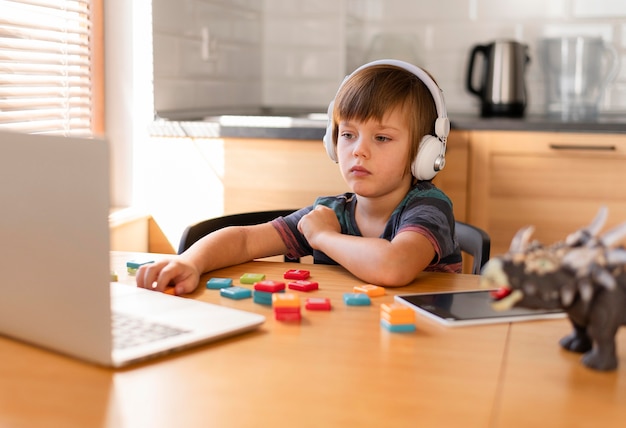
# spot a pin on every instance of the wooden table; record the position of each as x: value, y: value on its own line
x: 334, y: 369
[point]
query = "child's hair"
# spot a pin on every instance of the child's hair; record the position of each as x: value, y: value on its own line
x: 376, y: 90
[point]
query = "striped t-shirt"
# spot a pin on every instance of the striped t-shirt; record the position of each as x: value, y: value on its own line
x: 425, y: 210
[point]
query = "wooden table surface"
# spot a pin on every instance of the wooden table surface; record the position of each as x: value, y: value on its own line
x: 333, y: 369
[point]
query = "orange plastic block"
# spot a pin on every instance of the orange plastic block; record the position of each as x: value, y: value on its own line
x: 396, y: 313
x: 370, y: 290
x: 285, y: 300
x: 398, y: 317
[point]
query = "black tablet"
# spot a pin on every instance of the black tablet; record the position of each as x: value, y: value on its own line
x: 461, y: 308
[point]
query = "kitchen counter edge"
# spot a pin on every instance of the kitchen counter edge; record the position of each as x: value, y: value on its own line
x: 315, y: 129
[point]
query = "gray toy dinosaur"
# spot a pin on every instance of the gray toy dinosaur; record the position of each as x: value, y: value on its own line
x: 585, y: 275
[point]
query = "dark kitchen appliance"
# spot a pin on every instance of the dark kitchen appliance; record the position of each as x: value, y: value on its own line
x: 502, y: 89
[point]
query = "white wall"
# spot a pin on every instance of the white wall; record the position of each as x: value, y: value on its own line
x: 445, y: 31
x: 207, y: 54
x: 282, y: 53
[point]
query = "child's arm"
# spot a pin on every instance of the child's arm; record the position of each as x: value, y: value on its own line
x: 225, y: 247
x: 374, y: 260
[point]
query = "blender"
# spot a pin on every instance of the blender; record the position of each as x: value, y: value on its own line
x: 577, y: 71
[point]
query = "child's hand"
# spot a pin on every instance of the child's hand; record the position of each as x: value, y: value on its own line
x: 178, y: 272
x: 317, y: 222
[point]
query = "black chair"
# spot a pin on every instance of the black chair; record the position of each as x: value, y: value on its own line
x: 196, y: 231
x: 475, y: 242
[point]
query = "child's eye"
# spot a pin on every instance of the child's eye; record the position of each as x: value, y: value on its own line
x: 347, y: 135
x: 382, y: 138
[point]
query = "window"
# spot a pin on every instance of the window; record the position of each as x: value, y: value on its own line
x: 50, y: 79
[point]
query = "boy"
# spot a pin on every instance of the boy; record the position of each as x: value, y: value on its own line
x: 394, y: 224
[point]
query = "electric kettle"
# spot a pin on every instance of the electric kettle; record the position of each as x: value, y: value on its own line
x: 501, y: 86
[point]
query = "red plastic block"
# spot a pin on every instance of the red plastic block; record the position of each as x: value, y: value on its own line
x: 303, y: 285
x: 269, y: 286
x: 318, y: 304
x: 288, y: 316
x: 297, y: 274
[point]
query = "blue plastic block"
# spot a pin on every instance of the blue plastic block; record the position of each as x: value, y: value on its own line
x: 219, y: 283
x: 262, y: 297
x: 236, y: 293
x: 398, y: 328
x: 136, y: 264
x: 357, y: 299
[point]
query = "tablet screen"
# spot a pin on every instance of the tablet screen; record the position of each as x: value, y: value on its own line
x: 470, y: 307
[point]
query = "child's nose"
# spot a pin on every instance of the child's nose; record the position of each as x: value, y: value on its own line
x: 361, y: 147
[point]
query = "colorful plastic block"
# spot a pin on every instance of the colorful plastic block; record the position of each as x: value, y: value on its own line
x: 269, y: 286
x: 288, y: 316
x: 397, y: 328
x: 399, y: 317
x: 370, y: 290
x: 297, y: 274
x: 287, y: 310
x: 251, y: 278
x: 285, y: 300
x: 133, y: 265
x: 318, y: 304
x: 396, y: 313
x: 357, y: 299
x: 303, y: 285
x: 136, y: 264
x: 219, y: 283
x: 262, y: 297
x: 236, y: 293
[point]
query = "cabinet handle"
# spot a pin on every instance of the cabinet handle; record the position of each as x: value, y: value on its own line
x: 609, y: 148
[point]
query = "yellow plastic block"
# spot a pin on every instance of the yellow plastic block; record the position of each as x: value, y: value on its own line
x: 370, y: 290
x: 285, y: 300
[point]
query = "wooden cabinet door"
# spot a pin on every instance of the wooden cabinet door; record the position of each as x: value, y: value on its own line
x: 554, y: 181
x: 268, y: 174
x: 453, y: 178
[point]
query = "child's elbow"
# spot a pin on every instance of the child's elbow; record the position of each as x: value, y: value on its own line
x: 396, y: 279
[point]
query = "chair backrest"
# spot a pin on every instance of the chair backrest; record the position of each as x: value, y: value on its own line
x: 196, y: 231
x: 475, y: 242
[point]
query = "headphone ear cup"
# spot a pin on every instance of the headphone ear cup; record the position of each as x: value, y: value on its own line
x: 429, y: 159
x: 329, y: 144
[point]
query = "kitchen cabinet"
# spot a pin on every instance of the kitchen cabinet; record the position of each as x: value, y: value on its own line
x: 453, y: 178
x: 265, y: 174
x: 554, y: 181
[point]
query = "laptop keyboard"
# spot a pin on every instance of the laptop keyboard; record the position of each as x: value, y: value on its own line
x: 131, y: 331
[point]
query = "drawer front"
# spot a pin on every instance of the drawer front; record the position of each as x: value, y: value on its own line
x: 556, y: 182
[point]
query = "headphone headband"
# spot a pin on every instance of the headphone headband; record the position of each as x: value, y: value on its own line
x: 434, y: 89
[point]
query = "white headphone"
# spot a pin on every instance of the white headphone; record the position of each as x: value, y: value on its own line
x: 431, y: 153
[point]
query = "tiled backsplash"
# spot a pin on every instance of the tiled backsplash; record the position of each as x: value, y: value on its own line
x: 220, y: 54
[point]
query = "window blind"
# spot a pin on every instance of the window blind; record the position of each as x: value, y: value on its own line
x: 46, y: 66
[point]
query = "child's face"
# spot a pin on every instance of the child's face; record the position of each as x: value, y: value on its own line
x: 373, y: 156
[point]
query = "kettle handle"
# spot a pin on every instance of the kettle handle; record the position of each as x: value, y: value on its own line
x: 478, y: 49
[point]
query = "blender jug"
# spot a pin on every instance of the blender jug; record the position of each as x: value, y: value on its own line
x: 576, y: 70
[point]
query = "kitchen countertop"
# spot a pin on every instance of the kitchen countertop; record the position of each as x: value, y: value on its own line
x: 297, y: 125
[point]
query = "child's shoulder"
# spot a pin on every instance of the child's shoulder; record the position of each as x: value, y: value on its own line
x: 426, y: 189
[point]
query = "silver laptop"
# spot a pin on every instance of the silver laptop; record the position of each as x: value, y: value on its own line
x: 54, y: 262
